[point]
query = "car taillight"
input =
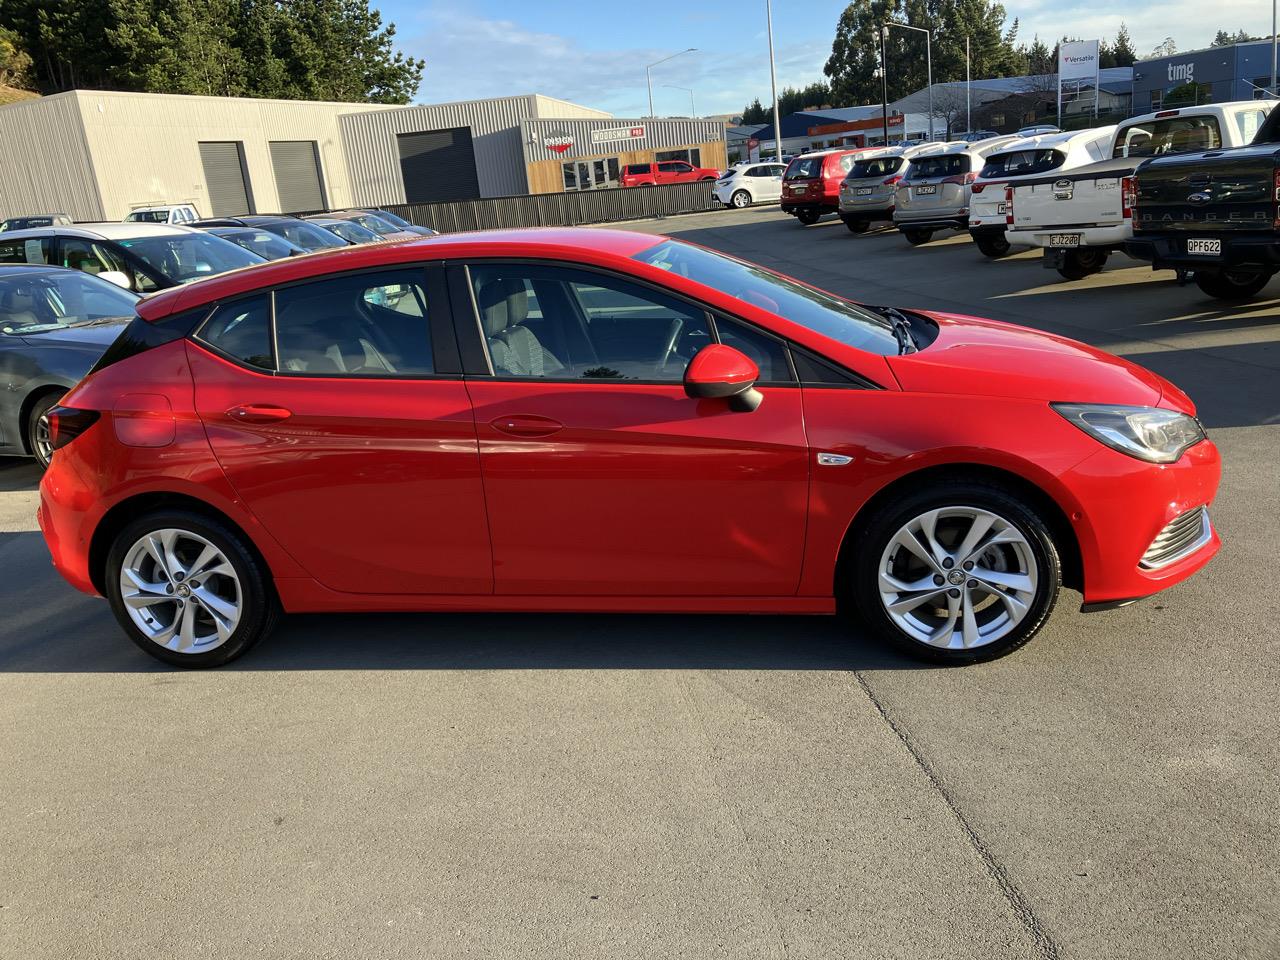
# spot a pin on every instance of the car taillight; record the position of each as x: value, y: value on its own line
x: 67, y: 423
x: 979, y: 187
x: 1008, y: 206
x: 896, y: 178
x: 1128, y: 196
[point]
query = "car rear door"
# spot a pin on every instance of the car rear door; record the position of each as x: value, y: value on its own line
x: 601, y: 476
x: 336, y: 408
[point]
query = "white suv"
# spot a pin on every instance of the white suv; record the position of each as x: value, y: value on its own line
x: 164, y: 213
x: 748, y: 183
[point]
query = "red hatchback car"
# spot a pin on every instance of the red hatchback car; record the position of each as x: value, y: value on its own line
x: 590, y: 420
x: 811, y: 183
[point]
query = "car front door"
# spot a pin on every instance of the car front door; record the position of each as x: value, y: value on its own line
x: 673, y: 171
x: 601, y: 476
x: 339, y: 416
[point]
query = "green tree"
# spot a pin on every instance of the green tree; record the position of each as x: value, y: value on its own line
x: 755, y: 113
x: 1122, y: 51
x: 14, y: 61
x: 1039, y: 58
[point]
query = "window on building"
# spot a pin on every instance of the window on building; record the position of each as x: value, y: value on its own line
x: 593, y: 174
x: 997, y: 120
x: 1157, y: 98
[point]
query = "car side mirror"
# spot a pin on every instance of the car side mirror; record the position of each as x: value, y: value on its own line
x: 719, y: 372
x: 116, y: 277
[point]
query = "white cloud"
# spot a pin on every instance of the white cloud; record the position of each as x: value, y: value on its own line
x: 471, y: 57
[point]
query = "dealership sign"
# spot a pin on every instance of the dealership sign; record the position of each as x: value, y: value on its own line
x: 610, y: 134
x: 557, y: 141
x: 1078, y: 60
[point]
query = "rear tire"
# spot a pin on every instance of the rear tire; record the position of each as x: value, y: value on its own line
x: 917, y: 237
x: 38, y: 431
x: 200, y: 598
x: 994, y: 246
x: 740, y: 199
x: 858, y: 226
x: 1234, y: 285
x: 1078, y: 264
x: 808, y: 217
x: 1002, y: 596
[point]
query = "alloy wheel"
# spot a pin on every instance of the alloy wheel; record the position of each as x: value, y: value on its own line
x: 42, y: 440
x: 181, y: 591
x: 958, y: 577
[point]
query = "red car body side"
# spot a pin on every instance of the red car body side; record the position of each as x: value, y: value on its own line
x: 598, y: 496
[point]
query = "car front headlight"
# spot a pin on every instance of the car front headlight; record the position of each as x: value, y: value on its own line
x: 1148, y: 433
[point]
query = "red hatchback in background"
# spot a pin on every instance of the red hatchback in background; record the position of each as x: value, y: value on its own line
x: 811, y: 184
x: 665, y: 171
x: 595, y: 420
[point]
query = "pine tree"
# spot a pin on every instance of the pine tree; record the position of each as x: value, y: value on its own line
x: 1122, y: 51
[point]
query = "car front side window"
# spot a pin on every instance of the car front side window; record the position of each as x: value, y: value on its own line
x: 566, y: 324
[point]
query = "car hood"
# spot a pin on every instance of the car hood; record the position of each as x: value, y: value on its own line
x: 100, y: 335
x: 988, y: 358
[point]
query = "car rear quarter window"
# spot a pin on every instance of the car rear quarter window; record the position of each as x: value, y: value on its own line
x: 242, y: 330
x: 363, y: 325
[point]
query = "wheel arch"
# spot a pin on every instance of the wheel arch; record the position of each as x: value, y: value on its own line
x: 1036, y: 497
x: 28, y: 404
x: 129, y: 509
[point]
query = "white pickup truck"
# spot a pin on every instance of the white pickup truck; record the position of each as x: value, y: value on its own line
x: 1079, y: 216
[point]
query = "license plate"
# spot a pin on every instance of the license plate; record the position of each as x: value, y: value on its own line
x: 799, y: 189
x: 1205, y: 248
x: 1064, y: 239
x: 862, y: 192
x: 1002, y: 208
x: 927, y: 190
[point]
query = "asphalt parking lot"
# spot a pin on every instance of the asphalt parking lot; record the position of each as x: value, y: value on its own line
x: 651, y: 786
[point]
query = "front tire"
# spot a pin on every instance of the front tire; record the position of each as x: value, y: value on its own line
x: 957, y: 573
x: 740, y: 199
x: 188, y: 589
x: 1236, y: 285
x: 38, y: 440
x: 1078, y: 264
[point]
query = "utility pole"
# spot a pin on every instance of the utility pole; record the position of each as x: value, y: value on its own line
x: 884, y: 85
x: 693, y: 109
x: 773, y: 81
x: 649, y: 79
x: 928, y: 60
x: 1273, y: 48
x: 968, y: 100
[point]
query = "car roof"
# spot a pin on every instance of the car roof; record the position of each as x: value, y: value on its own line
x: 102, y: 231
x: 1039, y: 141
x: 575, y: 244
x: 160, y: 206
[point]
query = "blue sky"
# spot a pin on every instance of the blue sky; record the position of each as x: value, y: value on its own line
x: 595, y: 54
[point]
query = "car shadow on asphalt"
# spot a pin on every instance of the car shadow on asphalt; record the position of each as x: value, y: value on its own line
x: 18, y: 473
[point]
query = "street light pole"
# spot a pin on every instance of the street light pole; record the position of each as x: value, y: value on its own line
x: 648, y: 79
x: 968, y: 100
x: 884, y: 86
x: 1273, y: 48
x: 773, y: 81
x: 928, y: 59
x: 693, y: 110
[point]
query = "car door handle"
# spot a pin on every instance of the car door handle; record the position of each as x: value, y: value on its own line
x: 259, y: 413
x: 526, y: 425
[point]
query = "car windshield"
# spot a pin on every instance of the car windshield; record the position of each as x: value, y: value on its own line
x: 262, y: 242
x: 821, y: 312
x: 350, y: 230
x: 400, y: 222
x: 375, y: 223
x: 54, y: 301
x: 804, y: 168
x: 148, y: 216
x: 877, y: 167
x: 308, y: 236
x: 181, y: 258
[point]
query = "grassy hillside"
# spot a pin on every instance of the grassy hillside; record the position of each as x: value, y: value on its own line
x: 11, y: 94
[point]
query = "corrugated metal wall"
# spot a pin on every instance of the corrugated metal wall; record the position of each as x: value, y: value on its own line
x: 145, y: 147
x: 658, y: 135
x: 374, y: 165
x: 561, y: 209
x: 46, y: 166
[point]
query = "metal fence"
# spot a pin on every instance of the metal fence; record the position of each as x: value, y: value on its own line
x: 561, y: 209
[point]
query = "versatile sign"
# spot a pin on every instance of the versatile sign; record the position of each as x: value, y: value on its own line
x: 609, y: 134
x: 558, y: 141
x: 1078, y: 60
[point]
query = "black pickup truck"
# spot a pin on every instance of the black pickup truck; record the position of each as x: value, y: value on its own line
x: 1214, y: 214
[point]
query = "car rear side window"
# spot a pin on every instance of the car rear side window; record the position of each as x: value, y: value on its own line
x: 363, y: 325
x: 30, y: 250
x: 242, y: 330
x: 1169, y: 135
x: 638, y: 168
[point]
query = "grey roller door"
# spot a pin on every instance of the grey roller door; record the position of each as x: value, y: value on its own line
x: 297, y: 170
x: 224, y: 176
x: 438, y: 165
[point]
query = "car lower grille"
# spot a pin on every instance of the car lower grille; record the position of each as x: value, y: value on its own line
x: 1180, y: 538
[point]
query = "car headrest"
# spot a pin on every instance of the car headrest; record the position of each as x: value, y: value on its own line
x: 503, y: 303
